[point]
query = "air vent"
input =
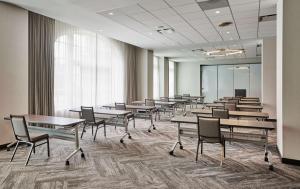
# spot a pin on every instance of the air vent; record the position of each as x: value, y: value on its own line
x: 164, y: 30
x: 213, y: 4
x: 198, y: 50
x: 265, y: 18
x: 224, y: 24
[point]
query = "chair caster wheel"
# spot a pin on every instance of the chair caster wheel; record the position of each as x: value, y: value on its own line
x: 181, y: 147
x: 154, y: 128
x: 7, y: 149
x: 149, y: 130
x: 82, y: 155
x: 266, y: 159
x: 271, y: 167
x: 67, y: 163
x: 129, y: 137
x: 171, y: 152
x: 122, y: 141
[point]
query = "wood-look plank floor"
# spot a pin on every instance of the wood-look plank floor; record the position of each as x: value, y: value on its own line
x: 144, y: 162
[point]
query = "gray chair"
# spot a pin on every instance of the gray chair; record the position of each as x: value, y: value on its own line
x: 230, y: 106
x: 220, y: 113
x: 177, y: 96
x: 164, y: 99
x: 87, y: 113
x: 209, y: 131
x: 151, y: 102
x: 227, y: 98
x: 165, y: 108
x: 122, y: 106
x: 22, y: 135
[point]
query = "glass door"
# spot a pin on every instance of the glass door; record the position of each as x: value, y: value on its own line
x: 209, y: 83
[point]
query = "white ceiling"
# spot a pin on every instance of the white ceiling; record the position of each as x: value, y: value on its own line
x: 135, y: 21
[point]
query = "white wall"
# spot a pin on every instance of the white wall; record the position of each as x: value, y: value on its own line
x: 14, y: 66
x: 269, y: 76
x: 288, y: 77
x: 188, y: 78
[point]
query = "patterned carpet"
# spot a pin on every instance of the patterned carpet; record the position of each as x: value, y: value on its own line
x: 144, y: 162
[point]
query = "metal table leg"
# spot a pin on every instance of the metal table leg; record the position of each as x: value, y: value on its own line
x: 77, y: 147
x: 125, y: 123
x: 151, y: 120
x: 268, y: 153
x: 177, y: 142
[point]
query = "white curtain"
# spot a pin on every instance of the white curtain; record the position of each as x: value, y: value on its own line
x: 89, y: 69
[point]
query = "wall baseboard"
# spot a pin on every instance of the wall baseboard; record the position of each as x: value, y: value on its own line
x: 290, y: 161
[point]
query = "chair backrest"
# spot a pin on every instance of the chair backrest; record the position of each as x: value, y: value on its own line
x: 230, y: 106
x: 209, y: 128
x: 120, y: 106
x: 164, y: 99
x: 227, y: 98
x: 20, y: 127
x: 235, y: 101
x: 220, y: 113
x: 186, y: 95
x: 177, y: 96
x: 149, y: 102
x: 87, y: 113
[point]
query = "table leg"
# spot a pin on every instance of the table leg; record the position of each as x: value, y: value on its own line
x: 177, y: 142
x: 268, y: 153
x: 151, y: 120
x: 77, y: 147
x: 125, y: 123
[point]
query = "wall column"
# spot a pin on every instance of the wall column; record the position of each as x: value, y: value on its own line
x: 288, y: 77
x: 269, y: 76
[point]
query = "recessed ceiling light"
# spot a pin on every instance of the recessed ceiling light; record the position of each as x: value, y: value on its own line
x: 217, y: 12
x: 150, y: 33
x: 111, y: 13
x: 228, y: 32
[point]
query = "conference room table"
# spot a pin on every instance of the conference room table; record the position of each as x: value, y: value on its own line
x: 240, y: 102
x: 250, y: 99
x: 239, y: 106
x: 247, y: 107
x: 149, y: 110
x: 227, y: 123
x: 66, y: 123
x: 244, y: 102
x: 159, y: 104
x: 238, y: 114
x: 119, y: 114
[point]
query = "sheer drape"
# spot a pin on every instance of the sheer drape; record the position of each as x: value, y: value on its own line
x: 90, y: 69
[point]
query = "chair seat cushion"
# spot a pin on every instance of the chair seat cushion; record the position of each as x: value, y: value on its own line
x: 35, y: 137
x: 99, y: 121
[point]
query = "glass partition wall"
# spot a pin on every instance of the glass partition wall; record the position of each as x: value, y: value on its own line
x: 218, y: 81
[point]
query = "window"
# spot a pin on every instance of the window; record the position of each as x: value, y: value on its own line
x: 155, y: 77
x: 89, y: 69
x: 171, y: 79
